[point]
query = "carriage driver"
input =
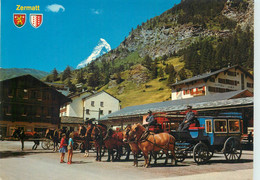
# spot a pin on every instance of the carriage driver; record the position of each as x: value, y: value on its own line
x: 189, y: 119
x: 150, y: 119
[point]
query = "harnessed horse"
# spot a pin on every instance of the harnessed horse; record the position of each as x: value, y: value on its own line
x: 132, y: 143
x: 22, y: 136
x: 97, y: 134
x: 149, y: 142
x: 55, y: 136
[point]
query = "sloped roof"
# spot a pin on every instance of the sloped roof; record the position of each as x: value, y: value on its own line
x: 95, y: 94
x: 207, y: 75
x: 216, y: 100
x: 42, y: 84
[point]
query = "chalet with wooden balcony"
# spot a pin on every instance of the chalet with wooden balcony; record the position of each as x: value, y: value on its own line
x: 224, y: 80
x: 29, y: 104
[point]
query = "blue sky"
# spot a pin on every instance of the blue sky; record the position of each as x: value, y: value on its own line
x: 68, y: 36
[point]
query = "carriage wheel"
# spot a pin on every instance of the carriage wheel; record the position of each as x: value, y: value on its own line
x: 161, y: 153
x: 45, y: 145
x: 211, y: 153
x: 51, y: 145
x: 200, y: 153
x: 232, y: 149
x: 140, y: 154
x: 75, y: 146
x: 81, y: 146
x: 103, y: 151
x: 180, y: 155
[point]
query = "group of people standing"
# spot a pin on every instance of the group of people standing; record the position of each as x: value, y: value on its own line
x: 66, y: 145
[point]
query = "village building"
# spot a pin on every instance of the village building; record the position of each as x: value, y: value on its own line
x: 224, y: 80
x: 85, y: 106
x: 64, y: 89
x: 29, y: 104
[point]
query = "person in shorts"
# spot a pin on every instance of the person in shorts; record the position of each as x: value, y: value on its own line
x: 63, y: 148
x: 70, y: 148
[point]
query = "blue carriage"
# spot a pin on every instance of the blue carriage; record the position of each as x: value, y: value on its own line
x: 215, y: 134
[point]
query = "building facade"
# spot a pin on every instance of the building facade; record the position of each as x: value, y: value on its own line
x: 29, y: 104
x: 75, y: 107
x: 87, y: 105
x: 99, y: 105
x: 224, y: 80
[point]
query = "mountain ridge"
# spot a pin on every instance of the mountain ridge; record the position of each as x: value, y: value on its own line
x: 8, y: 73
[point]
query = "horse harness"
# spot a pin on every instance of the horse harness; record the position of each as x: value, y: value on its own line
x: 144, y: 137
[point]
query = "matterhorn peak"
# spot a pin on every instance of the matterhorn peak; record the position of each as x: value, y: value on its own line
x: 102, y: 48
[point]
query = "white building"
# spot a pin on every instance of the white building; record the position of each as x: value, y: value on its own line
x: 99, y: 105
x: 87, y: 105
x: 75, y: 107
x: 224, y: 80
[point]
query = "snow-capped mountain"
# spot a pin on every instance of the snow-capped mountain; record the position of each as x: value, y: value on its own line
x: 102, y: 48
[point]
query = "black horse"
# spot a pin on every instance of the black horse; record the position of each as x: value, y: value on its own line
x: 54, y: 135
x: 22, y: 136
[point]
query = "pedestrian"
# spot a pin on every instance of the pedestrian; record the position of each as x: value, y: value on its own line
x: 63, y: 148
x: 70, y: 148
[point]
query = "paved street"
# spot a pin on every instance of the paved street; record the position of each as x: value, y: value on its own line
x: 44, y: 164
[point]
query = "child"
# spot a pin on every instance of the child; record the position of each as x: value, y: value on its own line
x: 70, y: 148
x: 63, y: 148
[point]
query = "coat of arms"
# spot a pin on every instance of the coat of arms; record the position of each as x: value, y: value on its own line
x: 36, y: 20
x: 19, y: 20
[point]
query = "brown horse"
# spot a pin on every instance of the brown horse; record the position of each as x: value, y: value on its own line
x: 86, y: 145
x: 98, y: 133
x: 149, y: 143
x: 132, y: 143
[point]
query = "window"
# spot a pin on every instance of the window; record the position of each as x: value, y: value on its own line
x: 212, y: 89
x: 212, y: 79
x: 10, y: 93
x: 25, y: 94
x: 39, y: 95
x: 24, y: 112
x: 87, y: 111
x: 109, y: 112
x: 101, y: 112
x: 250, y: 85
x: 233, y: 126
x: 7, y: 110
x: 208, y: 126
x: 221, y: 80
x: 92, y: 103
x: 230, y: 73
x: 220, y: 125
x: 102, y: 104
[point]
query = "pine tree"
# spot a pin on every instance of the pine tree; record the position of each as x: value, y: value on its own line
x: 147, y: 62
x: 66, y: 74
x: 55, y: 74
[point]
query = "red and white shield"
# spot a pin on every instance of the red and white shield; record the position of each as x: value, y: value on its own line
x: 19, y: 20
x: 36, y: 20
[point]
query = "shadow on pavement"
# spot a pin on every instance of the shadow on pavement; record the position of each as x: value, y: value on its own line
x: 229, y: 162
x: 79, y: 162
x: 9, y: 154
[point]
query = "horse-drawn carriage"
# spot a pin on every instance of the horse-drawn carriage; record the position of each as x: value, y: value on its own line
x: 213, y: 134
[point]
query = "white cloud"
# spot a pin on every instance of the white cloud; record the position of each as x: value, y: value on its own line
x: 96, y: 11
x: 55, y: 8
